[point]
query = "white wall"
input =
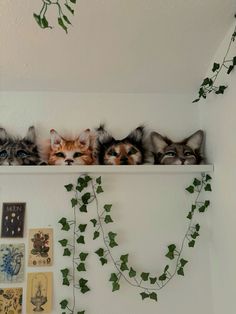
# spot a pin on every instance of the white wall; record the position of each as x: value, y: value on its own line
x: 146, y: 218
x: 218, y: 119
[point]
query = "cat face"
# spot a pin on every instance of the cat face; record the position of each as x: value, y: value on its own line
x: 186, y: 152
x: 128, y: 151
x: 71, y: 152
x: 18, y: 151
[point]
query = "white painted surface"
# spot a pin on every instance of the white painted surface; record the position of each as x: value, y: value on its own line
x: 113, y: 45
x: 218, y: 119
x: 149, y: 210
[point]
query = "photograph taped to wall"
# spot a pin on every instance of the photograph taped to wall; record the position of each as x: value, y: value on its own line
x: 11, y: 300
x: 13, y: 216
x: 39, y: 292
x: 40, y: 247
x: 12, y: 258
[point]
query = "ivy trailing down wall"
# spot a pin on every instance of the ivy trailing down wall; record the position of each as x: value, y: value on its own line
x: 85, y: 194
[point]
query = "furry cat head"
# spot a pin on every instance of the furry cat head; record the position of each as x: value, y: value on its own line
x: 17, y: 151
x: 186, y: 152
x: 128, y: 151
x: 77, y: 151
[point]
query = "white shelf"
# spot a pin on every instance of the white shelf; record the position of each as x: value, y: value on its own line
x: 142, y: 169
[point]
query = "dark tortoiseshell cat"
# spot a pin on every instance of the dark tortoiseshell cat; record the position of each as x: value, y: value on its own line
x: 186, y: 152
x: 18, y: 151
x: 128, y: 151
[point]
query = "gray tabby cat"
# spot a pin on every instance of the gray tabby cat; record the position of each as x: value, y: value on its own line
x: 186, y: 152
x: 18, y: 151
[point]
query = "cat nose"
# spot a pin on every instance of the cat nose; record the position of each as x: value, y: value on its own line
x: 124, y: 160
x: 182, y: 160
x: 69, y: 161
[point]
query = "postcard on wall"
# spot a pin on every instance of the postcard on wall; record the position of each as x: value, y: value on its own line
x: 12, y: 258
x: 40, y: 247
x: 13, y: 216
x: 39, y: 293
x: 11, y: 300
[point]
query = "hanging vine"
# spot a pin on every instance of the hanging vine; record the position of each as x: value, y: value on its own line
x: 62, y: 9
x: 227, y: 64
x: 86, y: 192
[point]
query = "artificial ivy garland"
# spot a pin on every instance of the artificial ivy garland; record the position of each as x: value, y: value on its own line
x: 86, y: 191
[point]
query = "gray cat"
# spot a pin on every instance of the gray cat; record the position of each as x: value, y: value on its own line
x: 18, y: 151
x: 186, y: 152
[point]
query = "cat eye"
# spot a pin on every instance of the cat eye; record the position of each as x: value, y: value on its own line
x: 112, y: 153
x: 187, y: 154
x: 77, y: 155
x: 3, y: 154
x: 132, y: 151
x: 60, y: 155
x: 22, y: 154
x: 170, y: 154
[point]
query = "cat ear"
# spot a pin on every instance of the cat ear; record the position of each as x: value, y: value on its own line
x: 136, y: 135
x: 85, y: 138
x: 195, y: 140
x: 56, y: 139
x: 3, y: 136
x: 158, y: 142
x: 103, y: 136
x: 30, y: 136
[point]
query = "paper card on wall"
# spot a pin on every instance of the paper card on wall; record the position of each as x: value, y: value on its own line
x: 40, y: 247
x: 12, y: 258
x: 39, y: 293
x: 13, y: 215
x: 11, y: 300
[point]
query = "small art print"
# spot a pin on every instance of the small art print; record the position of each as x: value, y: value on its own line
x: 39, y: 293
x: 12, y: 263
x: 40, y: 247
x: 11, y: 300
x: 13, y: 216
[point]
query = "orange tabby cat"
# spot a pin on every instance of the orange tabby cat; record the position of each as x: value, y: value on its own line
x: 71, y: 152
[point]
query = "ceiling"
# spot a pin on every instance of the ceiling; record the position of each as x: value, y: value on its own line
x: 113, y: 46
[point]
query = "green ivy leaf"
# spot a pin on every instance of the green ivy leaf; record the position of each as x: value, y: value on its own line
x: 67, y: 252
x: 166, y: 268
x: 83, y: 208
x: 132, y: 273
x: 82, y: 227
x: 80, y: 240
x: 193, y: 208
x: 64, y: 223
x: 69, y: 8
x: 208, y: 187
x: 74, y: 202
x: 66, y: 19
x: 123, y: 267
x: 124, y: 258
x: 153, y: 296
x: 208, y: 177
x: 195, y: 235
x: 114, y: 277
x: 171, y: 247
x: 113, y: 243
x: 191, y: 243
x: 112, y: 235
x: 96, y: 235
x: 73, y: 1
x: 94, y: 222
x: 197, y: 227
x: 99, y: 180
x: 65, y: 272
x: 115, y: 286
x: 84, y: 289
x: 180, y: 271
x: 69, y: 187
x: 87, y: 179
x: 108, y: 219
x: 183, y: 262
x: 163, y: 277
x: 64, y: 304
x: 230, y: 69
x: 215, y: 67
x: 107, y: 207
x: 83, y: 256
x: 196, y: 182
x: 82, y: 282
x: 144, y: 276
x: 190, y: 215
x: 153, y: 280
x: 81, y: 312
x: 144, y: 295
x: 202, y: 209
x: 207, y: 203
x: 190, y: 189
x: 99, y: 189
x: 103, y: 260
x: 65, y: 282
x: 81, y: 267
x: 85, y: 198
x: 63, y: 242
x: 170, y: 255
x: 100, y: 252
x: 221, y: 89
